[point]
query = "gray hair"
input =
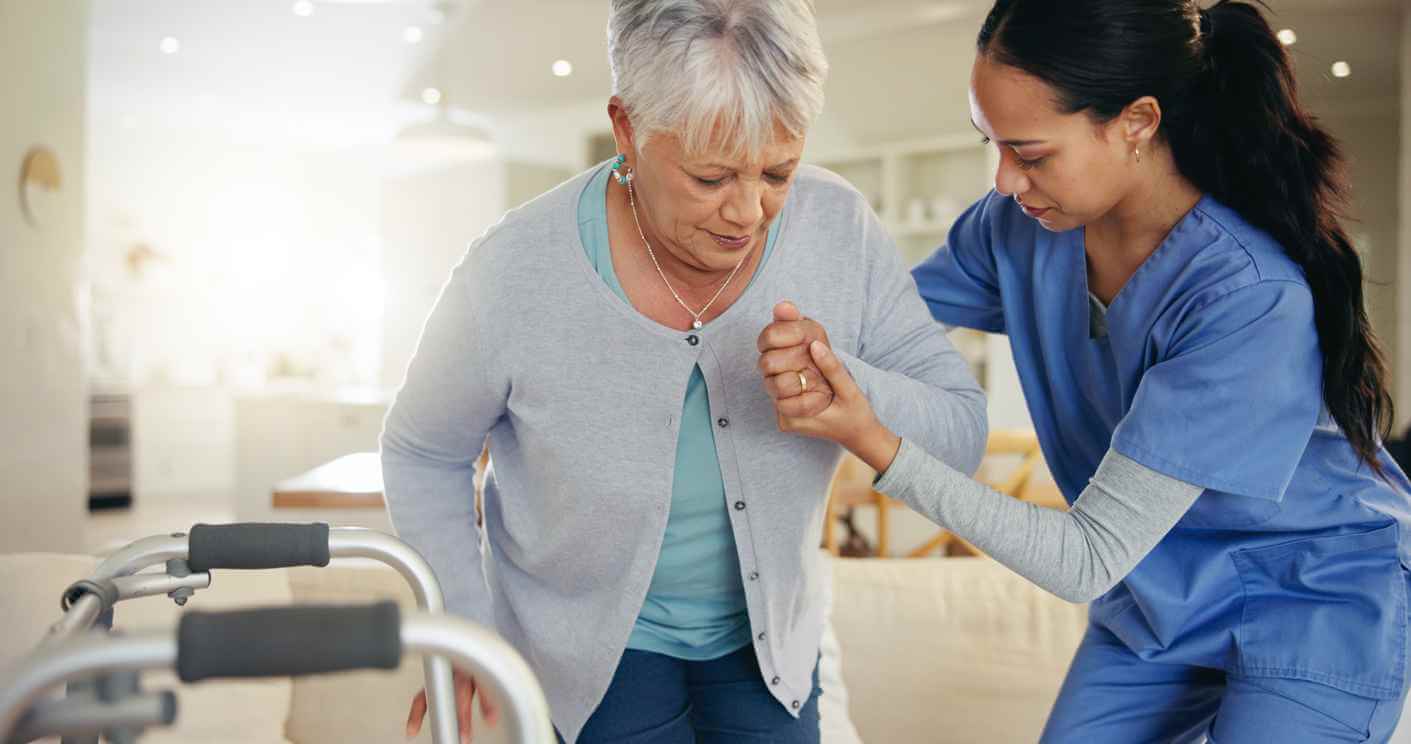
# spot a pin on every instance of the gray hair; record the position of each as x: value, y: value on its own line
x: 690, y: 66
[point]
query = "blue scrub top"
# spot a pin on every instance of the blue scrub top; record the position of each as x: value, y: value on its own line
x: 1290, y: 564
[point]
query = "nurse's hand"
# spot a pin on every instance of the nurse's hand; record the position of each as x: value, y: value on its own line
x: 791, y: 379
x: 465, y: 696
x: 849, y: 420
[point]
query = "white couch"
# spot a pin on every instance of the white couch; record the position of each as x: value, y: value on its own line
x: 932, y: 650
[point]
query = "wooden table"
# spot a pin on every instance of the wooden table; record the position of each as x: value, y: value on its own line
x: 349, y: 482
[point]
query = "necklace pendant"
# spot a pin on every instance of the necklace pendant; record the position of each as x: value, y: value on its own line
x: 697, y: 324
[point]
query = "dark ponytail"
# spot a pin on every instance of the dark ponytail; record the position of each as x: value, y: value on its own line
x: 1237, y: 130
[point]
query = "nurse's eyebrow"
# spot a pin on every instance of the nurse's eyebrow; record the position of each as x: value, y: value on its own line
x: 1007, y: 143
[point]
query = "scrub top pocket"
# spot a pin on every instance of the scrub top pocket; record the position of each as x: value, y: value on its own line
x: 1331, y: 610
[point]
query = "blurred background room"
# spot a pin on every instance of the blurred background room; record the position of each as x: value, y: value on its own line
x: 223, y: 223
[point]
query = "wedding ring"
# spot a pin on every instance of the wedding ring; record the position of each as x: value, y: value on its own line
x: 803, y: 383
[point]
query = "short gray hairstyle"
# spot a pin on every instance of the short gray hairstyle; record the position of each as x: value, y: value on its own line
x: 690, y: 66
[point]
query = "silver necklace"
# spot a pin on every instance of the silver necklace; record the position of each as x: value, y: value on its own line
x: 696, y: 316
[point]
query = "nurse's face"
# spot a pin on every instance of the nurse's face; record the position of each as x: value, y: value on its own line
x: 1066, y: 170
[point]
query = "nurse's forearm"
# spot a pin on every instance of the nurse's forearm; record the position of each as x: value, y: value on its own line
x: 877, y: 446
x: 1078, y: 554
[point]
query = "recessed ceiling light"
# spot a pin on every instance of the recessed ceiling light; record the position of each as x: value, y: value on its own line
x: 1287, y: 37
x: 412, y: 34
x: 563, y: 68
x: 303, y: 8
x: 431, y: 96
x: 170, y: 45
x: 1341, y: 69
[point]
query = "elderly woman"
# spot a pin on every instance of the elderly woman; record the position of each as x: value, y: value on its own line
x: 649, y: 537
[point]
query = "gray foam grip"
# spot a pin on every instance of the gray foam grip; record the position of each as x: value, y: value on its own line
x: 288, y: 641
x: 254, y: 545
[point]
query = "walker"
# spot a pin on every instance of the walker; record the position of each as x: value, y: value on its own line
x: 188, y: 561
x: 238, y: 644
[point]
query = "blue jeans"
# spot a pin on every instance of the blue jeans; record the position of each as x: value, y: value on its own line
x: 657, y: 699
x: 1113, y: 697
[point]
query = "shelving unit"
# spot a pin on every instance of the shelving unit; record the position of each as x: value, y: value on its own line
x: 917, y: 187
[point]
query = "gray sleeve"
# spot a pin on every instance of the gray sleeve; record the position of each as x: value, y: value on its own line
x: 919, y: 385
x: 1078, y: 554
x: 430, y: 440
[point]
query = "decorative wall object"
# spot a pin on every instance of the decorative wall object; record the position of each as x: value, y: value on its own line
x: 40, y: 182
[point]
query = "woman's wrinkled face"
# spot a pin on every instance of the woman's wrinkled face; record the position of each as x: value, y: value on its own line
x: 710, y: 210
x: 1066, y: 170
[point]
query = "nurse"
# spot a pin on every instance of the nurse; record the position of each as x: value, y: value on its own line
x: 1163, y: 249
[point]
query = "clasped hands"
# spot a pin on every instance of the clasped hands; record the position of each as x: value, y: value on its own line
x: 814, y: 394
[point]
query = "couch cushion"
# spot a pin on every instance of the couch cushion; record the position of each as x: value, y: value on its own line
x: 218, y: 711
x: 834, y: 722
x: 945, y: 650
x: 365, y: 705
x: 31, y: 584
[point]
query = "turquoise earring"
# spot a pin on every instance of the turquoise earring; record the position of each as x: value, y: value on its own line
x: 623, y: 176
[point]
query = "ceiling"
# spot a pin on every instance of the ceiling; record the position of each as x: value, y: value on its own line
x: 500, y: 55
x: 346, y: 73
x: 255, y: 67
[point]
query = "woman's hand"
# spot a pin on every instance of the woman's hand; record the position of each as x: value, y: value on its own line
x: 465, y: 695
x: 848, y: 420
x: 791, y: 379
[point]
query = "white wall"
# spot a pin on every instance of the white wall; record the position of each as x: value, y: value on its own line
x: 428, y: 222
x: 908, y: 84
x: 1403, y: 377
x: 1370, y: 137
x: 266, y: 251
x: 269, y: 260
x: 1401, y: 385
x: 43, y: 408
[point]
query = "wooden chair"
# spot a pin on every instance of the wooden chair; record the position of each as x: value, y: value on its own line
x: 852, y: 487
x: 1005, y: 443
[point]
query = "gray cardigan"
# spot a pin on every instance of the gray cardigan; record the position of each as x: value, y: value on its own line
x: 581, y: 396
